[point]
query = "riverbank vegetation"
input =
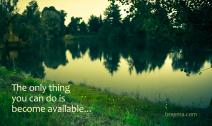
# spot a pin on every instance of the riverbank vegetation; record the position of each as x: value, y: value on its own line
x: 107, y: 109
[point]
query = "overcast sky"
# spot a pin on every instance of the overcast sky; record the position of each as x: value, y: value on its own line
x: 77, y: 8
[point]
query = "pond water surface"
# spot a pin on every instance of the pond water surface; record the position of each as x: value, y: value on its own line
x: 156, y: 85
x: 182, y: 75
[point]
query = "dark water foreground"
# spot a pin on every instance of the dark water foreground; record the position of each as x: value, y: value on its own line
x: 159, y: 72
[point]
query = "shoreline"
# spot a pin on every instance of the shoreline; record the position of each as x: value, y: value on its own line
x: 123, y: 109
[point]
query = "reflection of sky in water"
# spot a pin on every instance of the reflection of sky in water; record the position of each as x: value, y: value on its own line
x: 179, y: 88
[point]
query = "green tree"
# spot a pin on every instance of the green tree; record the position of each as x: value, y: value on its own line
x: 8, y: 11
x: 94, y: 23
x: 73, y: 26
x: 112, y: 31
x: 191, y: 18
x: 83, y: 29
x: 28, y: 25
x: 112, y: 14
x: 32, y: 12
x: 53, y: 22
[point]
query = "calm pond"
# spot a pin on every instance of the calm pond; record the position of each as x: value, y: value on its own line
x: 181, y: 75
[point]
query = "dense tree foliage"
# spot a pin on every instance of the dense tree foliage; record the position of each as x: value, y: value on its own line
x: 29, y: 21
x: 83, y: 28
x: 77, y: 26
x: 53, y: 22
x: 146, y: 22
x: 112, y: 14
x: 8, y: 11
x: 190, y: 18
x: 94, y: 23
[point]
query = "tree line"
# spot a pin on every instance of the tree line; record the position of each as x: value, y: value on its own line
x: 149, y: 21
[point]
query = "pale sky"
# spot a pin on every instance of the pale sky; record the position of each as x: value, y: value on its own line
x: 77, y: 8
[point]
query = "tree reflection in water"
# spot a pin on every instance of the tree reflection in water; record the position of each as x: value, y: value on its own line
x: 143, y: 57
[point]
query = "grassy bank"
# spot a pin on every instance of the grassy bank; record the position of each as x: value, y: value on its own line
x: 107, y: 109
